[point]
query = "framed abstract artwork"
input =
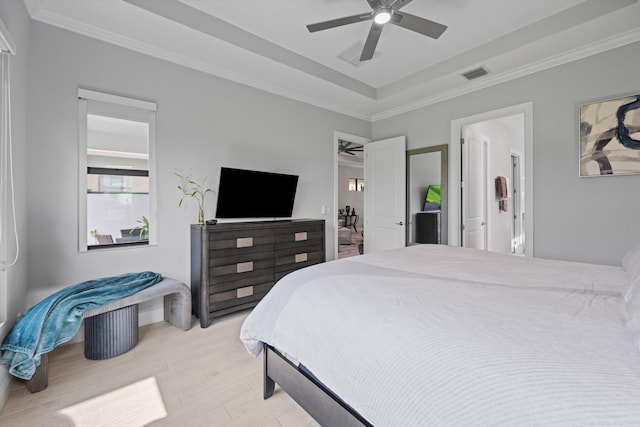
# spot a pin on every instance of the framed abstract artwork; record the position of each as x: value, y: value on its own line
x: 610, y: 137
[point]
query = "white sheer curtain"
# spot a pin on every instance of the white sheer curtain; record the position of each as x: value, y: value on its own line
x: 9, y: 246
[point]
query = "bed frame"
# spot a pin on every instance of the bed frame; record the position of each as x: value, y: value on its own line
x: 314, y: 397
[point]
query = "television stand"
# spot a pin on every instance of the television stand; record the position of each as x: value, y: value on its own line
x: 235, y: 264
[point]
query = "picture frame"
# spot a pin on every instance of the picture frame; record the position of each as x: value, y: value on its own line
x: 609, y: 137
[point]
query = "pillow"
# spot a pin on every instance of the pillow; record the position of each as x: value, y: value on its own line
x: 631, y: 265
x: 631, y: 262
x: 632, y: 299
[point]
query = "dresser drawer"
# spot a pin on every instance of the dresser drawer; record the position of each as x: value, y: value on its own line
x: 299, y: 233
x: 240, y: 240
x: 241, y: 265
x: 221, y: 300
x: 232, y: 281
x: 234, y: 265
x: 299, y: 260
x: 234, y: 257
x: 309, y: 246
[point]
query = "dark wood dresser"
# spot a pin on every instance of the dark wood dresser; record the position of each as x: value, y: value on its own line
x: 234, y: 265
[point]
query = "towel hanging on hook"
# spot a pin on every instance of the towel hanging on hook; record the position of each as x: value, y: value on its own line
x: 502, y: 193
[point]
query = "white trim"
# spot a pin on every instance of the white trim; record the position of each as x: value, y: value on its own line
x: 454, y: 169
x: 115, y: 99
x: 112, y: 153
x: 337, y: 136
x: 186, y: 61
x: 153, y: 181
x: 83, y: 108
x: 624, y: 39
x: 37, y: 12
x: 85, y: 96
x: 6, y: 42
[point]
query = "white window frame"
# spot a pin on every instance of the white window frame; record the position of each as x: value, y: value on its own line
x: 8, y: 46
x: 123, y: 107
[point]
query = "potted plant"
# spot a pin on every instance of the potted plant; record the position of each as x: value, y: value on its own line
x: 195, y: 190
x: 144, y: 228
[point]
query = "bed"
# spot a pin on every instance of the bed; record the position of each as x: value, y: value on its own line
x: 438, y: 335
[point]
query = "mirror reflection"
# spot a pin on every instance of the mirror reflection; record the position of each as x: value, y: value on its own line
x: 426, y: 195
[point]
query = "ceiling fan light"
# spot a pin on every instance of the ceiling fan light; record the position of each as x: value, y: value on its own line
x: 382, y: 16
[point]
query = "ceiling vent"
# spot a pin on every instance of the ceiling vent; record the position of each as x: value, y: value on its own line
x: 475, y: 73
x: 352, y: 55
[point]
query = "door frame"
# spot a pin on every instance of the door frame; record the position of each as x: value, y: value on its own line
x: 516, y: 189
x: 455, y: 157
x: 337, y: 136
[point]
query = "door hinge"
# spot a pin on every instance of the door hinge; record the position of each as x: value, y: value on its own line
x: 461, y: 184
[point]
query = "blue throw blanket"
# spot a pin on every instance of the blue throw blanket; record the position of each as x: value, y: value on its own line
x: 57, y: 318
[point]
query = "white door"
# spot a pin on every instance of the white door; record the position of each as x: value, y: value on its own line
x: 474, y: 194
x: 385, y: 194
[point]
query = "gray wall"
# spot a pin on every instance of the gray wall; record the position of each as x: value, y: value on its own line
x: 15, y: 18
x: 582, y: 219
x: 203, y: 123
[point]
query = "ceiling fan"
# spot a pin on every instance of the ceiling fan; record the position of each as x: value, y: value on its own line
x: 384, y: 11
x: 349, y: 147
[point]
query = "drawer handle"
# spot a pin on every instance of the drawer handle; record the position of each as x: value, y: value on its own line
x: 247, y: 291
x: 301, y: 236
x: 301, y: 257
x: 243, y: 267
x: 244, y: 242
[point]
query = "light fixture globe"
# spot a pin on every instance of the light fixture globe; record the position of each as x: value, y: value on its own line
x: 382, y: 15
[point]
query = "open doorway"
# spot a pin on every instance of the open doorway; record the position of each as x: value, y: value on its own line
x: 489, y: 195
x: 349, y: 194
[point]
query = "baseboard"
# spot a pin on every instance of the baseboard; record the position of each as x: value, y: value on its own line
x: 5, y: 384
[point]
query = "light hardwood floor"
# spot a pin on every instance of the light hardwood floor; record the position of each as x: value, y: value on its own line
x: 202, y: 377
x: 346, y: 251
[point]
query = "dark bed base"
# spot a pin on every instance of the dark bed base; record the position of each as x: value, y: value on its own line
x: 322, y: 404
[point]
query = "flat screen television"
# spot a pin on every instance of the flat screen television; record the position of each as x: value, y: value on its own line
x: 254, y: 194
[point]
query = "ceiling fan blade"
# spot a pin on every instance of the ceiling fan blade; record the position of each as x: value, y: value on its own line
x: 398, y: 4
x: 371, y: 43
x: 325, y: 25
x: 419, y: 25
x: 375, y: 4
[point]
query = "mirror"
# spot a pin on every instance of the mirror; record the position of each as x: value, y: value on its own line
x: 427, y: 190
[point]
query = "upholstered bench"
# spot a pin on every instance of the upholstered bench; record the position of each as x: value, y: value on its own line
x: 112, y: 329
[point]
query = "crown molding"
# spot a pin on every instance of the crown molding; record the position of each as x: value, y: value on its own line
x: 595, y: 48
x: 34, y: 7
x: 57, y: 20
x: 38, y: 12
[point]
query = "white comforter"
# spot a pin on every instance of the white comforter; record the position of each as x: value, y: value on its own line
x: 411, y: 349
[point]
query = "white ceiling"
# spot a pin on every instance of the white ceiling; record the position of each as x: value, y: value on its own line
x: 265, y: 44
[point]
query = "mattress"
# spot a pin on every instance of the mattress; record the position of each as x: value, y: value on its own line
x: 404, y: 347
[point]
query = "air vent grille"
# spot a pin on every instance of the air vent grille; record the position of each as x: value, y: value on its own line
x: 475, y: 73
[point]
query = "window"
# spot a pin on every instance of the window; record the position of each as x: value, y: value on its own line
x: 356, y: 184
x: 116, y: 189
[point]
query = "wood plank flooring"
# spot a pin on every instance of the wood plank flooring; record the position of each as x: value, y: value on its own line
x: 201, y: 377
x: 346, y: 251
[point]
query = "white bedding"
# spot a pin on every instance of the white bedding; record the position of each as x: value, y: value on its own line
x: 501, y: 269
x: 405, y: 348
